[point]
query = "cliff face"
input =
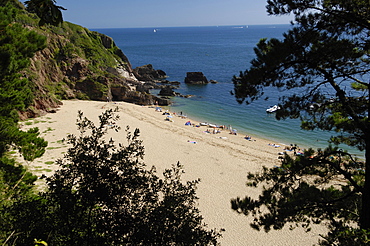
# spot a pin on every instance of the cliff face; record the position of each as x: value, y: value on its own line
x: 79, y: 63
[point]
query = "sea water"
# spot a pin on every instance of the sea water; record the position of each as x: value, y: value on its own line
x: 220, y: 52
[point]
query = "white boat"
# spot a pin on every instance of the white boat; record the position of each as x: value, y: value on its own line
x: 273, y: 109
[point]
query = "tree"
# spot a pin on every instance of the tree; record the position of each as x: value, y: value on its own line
x: 46, y: 10
x: 17, y: 46
x: 323, y: 60
x: 104, y: 194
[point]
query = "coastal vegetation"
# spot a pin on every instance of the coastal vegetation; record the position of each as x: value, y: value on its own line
x: 103, y: 194
x: 17, y: 46
x: 46, y: 10
x: 323, y: 60
x: 74, y: 62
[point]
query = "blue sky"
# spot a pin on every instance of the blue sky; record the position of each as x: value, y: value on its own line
x: 167, y: 13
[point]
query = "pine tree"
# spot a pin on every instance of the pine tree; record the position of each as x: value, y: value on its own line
x: 323, y: 60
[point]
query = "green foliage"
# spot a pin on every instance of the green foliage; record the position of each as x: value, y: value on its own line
x: 103, y: 194
x: 17, y: 46
x: 15, y: 183
x: 318, y: 187
x: 88, y: 44
x: 46, y: 10
x: 67, y: 43
x: 15, y: 180
x: 30, y: 145
x: 347, y: 236
x: 322, y: 65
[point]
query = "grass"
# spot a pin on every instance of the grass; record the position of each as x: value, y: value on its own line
x: 44, y: 170
x: 53, y: 148
x: 48, y: 170
x: 48, y: 130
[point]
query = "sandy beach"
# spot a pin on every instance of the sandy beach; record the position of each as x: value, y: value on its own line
x: 221, y: 161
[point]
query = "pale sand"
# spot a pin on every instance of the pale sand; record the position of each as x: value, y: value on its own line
x: 221, y: 164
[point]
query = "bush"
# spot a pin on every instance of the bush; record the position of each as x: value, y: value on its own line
x: 104, y: 194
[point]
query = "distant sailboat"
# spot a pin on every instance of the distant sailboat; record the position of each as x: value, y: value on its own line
x: 155, y: 30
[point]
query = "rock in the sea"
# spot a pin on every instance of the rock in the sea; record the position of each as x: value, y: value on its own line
x: 195, y: 78
x: 167, y: 91
x: 148, y: 73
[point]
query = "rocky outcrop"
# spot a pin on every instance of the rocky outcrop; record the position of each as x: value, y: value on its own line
x: 167, y: 91
x: 79, y: 63
x: 195, y: 78
x: 148, y: 73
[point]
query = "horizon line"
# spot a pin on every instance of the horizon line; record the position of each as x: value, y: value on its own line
x: 272, y: 24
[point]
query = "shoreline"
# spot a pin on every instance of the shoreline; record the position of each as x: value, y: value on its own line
x: 302, y: 145
x: 244, y: 132
x: 222, y: 162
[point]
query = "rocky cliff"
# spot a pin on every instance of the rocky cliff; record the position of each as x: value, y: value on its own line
x: 80, y: 64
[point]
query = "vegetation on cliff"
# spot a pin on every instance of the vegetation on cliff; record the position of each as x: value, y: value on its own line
x: 73, y: 63
x: 17, y: 46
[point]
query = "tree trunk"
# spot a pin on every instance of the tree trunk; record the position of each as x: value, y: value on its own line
x: 365, y: 211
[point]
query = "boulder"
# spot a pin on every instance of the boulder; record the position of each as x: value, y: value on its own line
x: 148, y: 73
x: 136, y: 97
x: 167, y: 91
x: 195, y: 78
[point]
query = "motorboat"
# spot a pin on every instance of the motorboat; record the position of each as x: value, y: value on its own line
x: 273, y: 109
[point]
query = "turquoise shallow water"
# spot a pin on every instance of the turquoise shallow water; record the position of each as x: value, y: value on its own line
x: 220, y: 53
